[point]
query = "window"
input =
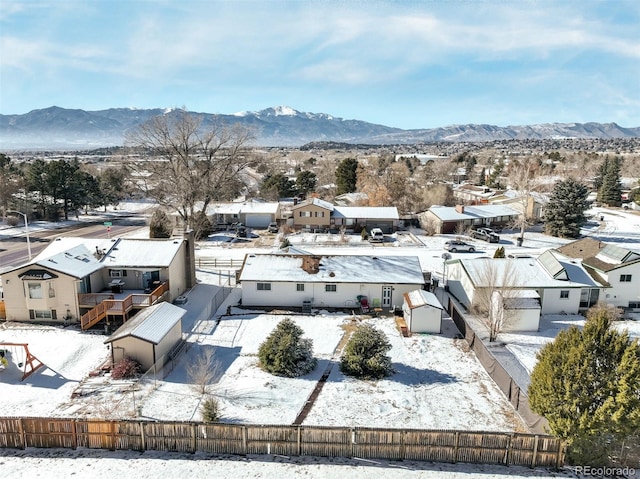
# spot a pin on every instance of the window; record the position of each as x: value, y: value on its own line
x: 35, y: 290
x: 634, y: 304
x: 117, y: 273
x: 42, y: 314
x: 625, y: 278
x: 300, y: 287
x: 564, y: 294
x: 264, y: 286
x: 305, y: 214
x: 330, y: 288
x: 52, y: 292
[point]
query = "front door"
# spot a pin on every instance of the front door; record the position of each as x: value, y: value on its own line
x: 386, y: 296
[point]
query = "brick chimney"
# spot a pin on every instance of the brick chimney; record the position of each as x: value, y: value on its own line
x: 460, y: 208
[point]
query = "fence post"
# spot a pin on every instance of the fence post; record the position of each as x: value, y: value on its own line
x: 507, y: 456
x: 403, y: 435
x: 143, y: 439
x: 74, y: 433
x: 455, y: 448
x: 23, y: 436
x: 299, y: 440
x: 535, y: 451
x: 194, y: 433
x: 244, y: 440
x: 560, y: 455
x: 353, y: 442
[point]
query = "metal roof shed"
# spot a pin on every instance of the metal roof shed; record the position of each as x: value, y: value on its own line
x: 149, y: 335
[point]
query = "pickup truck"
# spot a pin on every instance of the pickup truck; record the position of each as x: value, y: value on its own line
x: 485, y: 234
x: 376, y: 236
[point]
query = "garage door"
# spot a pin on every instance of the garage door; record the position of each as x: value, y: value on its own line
x: 258, y: 221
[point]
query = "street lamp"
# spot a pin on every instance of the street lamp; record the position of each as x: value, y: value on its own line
x: 26, y: 229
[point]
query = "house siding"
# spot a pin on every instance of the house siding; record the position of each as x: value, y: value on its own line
x: 320, y: 217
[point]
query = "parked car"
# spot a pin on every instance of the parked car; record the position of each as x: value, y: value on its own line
x: 376, y: 236
x: 485, y: 234
x: 273, y: 228
x: 459, y: 246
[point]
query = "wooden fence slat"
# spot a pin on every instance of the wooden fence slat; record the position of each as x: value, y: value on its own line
x: 379, y: 443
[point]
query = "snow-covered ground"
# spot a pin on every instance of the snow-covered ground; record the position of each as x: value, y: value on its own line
x: 438, y: 384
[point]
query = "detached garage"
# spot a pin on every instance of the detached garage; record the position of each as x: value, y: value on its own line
x: 149, y: 335
x: 422, y: 312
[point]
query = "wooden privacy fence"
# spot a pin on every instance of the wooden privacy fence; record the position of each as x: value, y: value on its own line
x: 391, y: 444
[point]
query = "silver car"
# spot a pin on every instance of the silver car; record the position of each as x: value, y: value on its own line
x: 459, y: 246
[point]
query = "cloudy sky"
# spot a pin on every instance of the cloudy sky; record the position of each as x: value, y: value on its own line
x: 407, y: 64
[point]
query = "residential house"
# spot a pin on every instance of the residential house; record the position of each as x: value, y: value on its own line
x: 422, y: 312
x: 561, y: 283
x: 618, y: 269
x: 449, y: 219
x: 532, y: 206
x: 473, y: 195
x: 252, y: 213
x: 149, y: 336
x: 74, y: 277
x: 315, y: 213
x: 518, y: 310
x: 296, y: 280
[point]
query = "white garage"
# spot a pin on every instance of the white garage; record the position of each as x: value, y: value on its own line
x: 422, y: 312
x: 258, y: 220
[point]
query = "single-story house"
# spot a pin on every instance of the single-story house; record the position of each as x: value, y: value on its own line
x: 449, y: 219
x: 532, y: 206
x: 73, y: 276
x: 474, y: 195
x: 148, y: 336
x: 315, y: 213
x: 518, y: 310
x: 422, y: 312
x: 252, y: 213
x: 296, y: 280
x: 562, y: 284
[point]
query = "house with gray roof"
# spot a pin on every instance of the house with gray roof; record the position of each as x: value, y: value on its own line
x: 149, y: 336
x: 88, y: 280
x: 296, y: 280
x: 449, y: 219
x: 315, y: 213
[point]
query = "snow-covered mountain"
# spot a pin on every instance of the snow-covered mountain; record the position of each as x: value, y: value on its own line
x: 56, y: 127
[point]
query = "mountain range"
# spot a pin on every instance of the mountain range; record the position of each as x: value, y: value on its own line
x: 60, y: 128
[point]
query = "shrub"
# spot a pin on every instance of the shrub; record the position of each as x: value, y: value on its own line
x: 126, y: 368
x: 499, y: 253
x: 285, y: 244
x: 13, y: 221
x: 365, y: 354
x: 285, y: 352
x: 211, y: 411
x: 160, y: 225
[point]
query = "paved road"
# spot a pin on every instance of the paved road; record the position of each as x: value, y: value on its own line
x: 14, y: 251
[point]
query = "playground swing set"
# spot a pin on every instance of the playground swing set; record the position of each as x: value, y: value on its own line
x: 27, y: 361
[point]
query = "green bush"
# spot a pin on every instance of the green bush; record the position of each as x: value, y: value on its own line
x: 365, y: 356
x: 211, y: 411
x: 285, y: 352
x: 499, y: 253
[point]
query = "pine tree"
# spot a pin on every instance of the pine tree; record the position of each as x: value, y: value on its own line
x: 587, y: 384
x: 285, y: 352
x: 610, y: 191
x: 160, y: 225
x: 564, y: 214
x: 346, y: 176
x: 499, y: 253
x: 365, y: 354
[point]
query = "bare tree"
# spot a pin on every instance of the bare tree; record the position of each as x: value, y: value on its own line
x: 194, y: 164
x: 495, y: 285
x: 524, y: 178
x: 203, y: 371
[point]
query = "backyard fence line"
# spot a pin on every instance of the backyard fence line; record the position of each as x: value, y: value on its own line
x: 477, y: 447
x: 219, y: 263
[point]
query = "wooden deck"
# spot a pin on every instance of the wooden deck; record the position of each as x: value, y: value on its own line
x: 107, y: 305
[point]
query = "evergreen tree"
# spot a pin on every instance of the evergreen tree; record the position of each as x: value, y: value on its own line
x: 160, y: 225
x: 564, y: 214
x: 587, y: 384
x: 306, y: 181
x: 285, y: 352
x: 278, y: 186
x: 365, y: 354
x: 610, y: 191
x: 499, y: 253
x: 346, y: 176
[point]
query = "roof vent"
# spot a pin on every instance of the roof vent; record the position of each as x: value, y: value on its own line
x: 332, y: 274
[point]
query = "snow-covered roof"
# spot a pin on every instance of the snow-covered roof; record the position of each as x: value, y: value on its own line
x: 419, y: 297
x: 521, y: 299
x: 527, y: 273
x: 134, y: 252
x: 315, y: 202
x: 246, y: 207
x: 151, y: 324
x: 77, y: 262
x: 449, y: 213
x: 333, y: 269
x: 371, y: 212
